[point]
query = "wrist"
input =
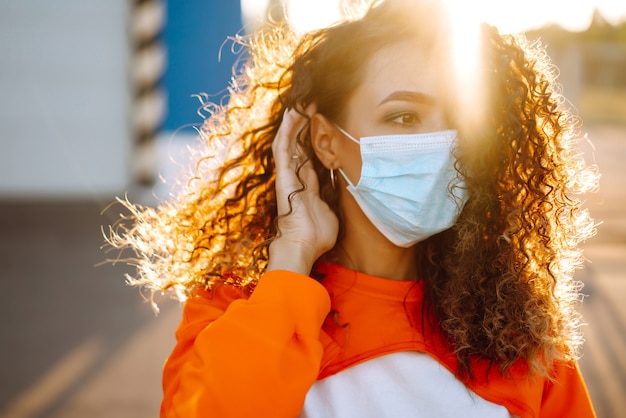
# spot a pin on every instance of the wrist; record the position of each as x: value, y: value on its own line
x: 290, y: 256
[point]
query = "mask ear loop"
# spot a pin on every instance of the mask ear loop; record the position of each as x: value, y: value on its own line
x: 332, y: 170
x: 347, y: 134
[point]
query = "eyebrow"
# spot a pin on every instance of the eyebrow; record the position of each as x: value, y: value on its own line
x: 409, y: 96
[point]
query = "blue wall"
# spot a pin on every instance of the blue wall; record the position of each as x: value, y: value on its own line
x: 194, y: 33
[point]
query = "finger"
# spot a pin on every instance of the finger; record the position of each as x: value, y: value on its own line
x: 302, y: 118
x: 280, y: 146
x: 311, y: 109
x: 285, y: 143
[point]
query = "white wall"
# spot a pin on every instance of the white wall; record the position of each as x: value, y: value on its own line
x: 64, y: 98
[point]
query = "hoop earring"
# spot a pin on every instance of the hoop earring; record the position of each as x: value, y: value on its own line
x: 332, y: 178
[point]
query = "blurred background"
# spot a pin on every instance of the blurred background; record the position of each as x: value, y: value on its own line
x: 101, y: 99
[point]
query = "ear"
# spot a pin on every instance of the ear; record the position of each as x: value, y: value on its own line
x: 324, y: 141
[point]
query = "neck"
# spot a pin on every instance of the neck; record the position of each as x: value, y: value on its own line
x: 366, y: 250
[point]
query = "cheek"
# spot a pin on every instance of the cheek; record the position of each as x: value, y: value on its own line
x: 350, y: 164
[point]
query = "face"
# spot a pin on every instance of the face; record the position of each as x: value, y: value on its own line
x: 400, y: 94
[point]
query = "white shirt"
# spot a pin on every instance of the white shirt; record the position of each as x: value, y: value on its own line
x: 405, y: 384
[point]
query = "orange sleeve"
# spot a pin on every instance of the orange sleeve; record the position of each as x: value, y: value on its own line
x: 566, y: 395
x: 238, y: 357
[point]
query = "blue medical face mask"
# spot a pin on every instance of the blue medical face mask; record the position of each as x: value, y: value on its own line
x: 406, y: 184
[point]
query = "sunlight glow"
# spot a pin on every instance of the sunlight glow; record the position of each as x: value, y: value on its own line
x: 508, y: 15
x: 305, y: 16
x: 465, y: 44
x: 465, y: 34
x: 511, y: 17
x: 253, y: 13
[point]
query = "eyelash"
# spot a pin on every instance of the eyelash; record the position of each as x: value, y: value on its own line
x: 415, y: 119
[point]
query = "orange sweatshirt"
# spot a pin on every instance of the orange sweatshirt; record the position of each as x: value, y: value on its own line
x: 259, y: 356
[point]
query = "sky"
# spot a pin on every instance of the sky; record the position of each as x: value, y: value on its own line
x: 507, y: 15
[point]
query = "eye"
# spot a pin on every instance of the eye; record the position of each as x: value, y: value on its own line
x: 407, y: 119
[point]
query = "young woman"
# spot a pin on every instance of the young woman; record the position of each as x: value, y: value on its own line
x: 362, y: 238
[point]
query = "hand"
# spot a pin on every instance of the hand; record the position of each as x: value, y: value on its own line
x: 311, y: 228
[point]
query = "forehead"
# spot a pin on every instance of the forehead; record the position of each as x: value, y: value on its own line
x: 401, y: 66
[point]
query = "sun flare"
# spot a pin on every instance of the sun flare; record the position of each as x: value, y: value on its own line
x: 465, y: 38
x: 305, y: 16
x: 506, y: 15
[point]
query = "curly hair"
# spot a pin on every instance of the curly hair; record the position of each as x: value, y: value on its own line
x: 499, y: 282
